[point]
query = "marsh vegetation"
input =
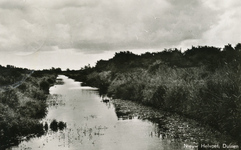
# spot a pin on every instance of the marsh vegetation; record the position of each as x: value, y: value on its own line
x: 189, y: 97
x: 23, y: 95
x: 202, y: 83
x: 94, y: 124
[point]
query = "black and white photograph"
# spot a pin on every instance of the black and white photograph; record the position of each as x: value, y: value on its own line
x: 120, y: 74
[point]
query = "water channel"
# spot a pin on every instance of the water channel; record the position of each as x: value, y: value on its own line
x: 93, y: 125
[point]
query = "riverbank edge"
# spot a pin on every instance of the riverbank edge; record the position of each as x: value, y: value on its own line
x: 20, y: 126
x: 172, y: 125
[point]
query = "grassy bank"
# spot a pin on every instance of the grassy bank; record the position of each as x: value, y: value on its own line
x: 170, y: 125
x: 202, y: 83
x: 23, y: 95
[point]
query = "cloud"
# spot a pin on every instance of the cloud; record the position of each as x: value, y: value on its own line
x: 227, y: 28
x: 11, y: 5
x: 94, y: 26
x: 224, y: 30
x: 22, y: 29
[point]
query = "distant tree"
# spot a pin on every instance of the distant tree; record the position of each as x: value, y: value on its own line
x: 10, y: 66
x: 238, y: 47
x: 203, y: 55
x: 58, y: 70
x: 228, y: 48
x: 87, y: 66
x: 229, y: 53
x: 101, y: 65
x: 125, y: 56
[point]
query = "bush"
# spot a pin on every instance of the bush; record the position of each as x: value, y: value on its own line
x: 54, y: 125
x: 158, y: 97
x: 174, y: 98
x: 51, y: 81
x: 39, y: 95
x: 9, y: 98
x: 22, y: 87
x: 44, y: 85
x: 34, y: 109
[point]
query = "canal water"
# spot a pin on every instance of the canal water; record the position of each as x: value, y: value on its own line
x: 93, y: 125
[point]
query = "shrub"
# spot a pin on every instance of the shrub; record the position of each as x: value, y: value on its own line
x: 174, y: 98
x: 158, y: 96
x: 9, y: 98
x: 34, y: 109
x: 54, y: 125
x: 51, y: 81
x: 44, y: 85
x: 22, y: 87
x: 39, y: 95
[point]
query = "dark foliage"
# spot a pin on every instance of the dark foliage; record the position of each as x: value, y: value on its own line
x: 55, y: 125
x: 22, y: 103
x: 44, y: 85
x: 202, y: 82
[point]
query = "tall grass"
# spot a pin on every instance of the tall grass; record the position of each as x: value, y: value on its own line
x: 212, y: 96
x: 203, y: 82
x: 22, y: 107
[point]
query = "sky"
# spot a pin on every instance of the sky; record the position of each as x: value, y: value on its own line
x: 73, y: 33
